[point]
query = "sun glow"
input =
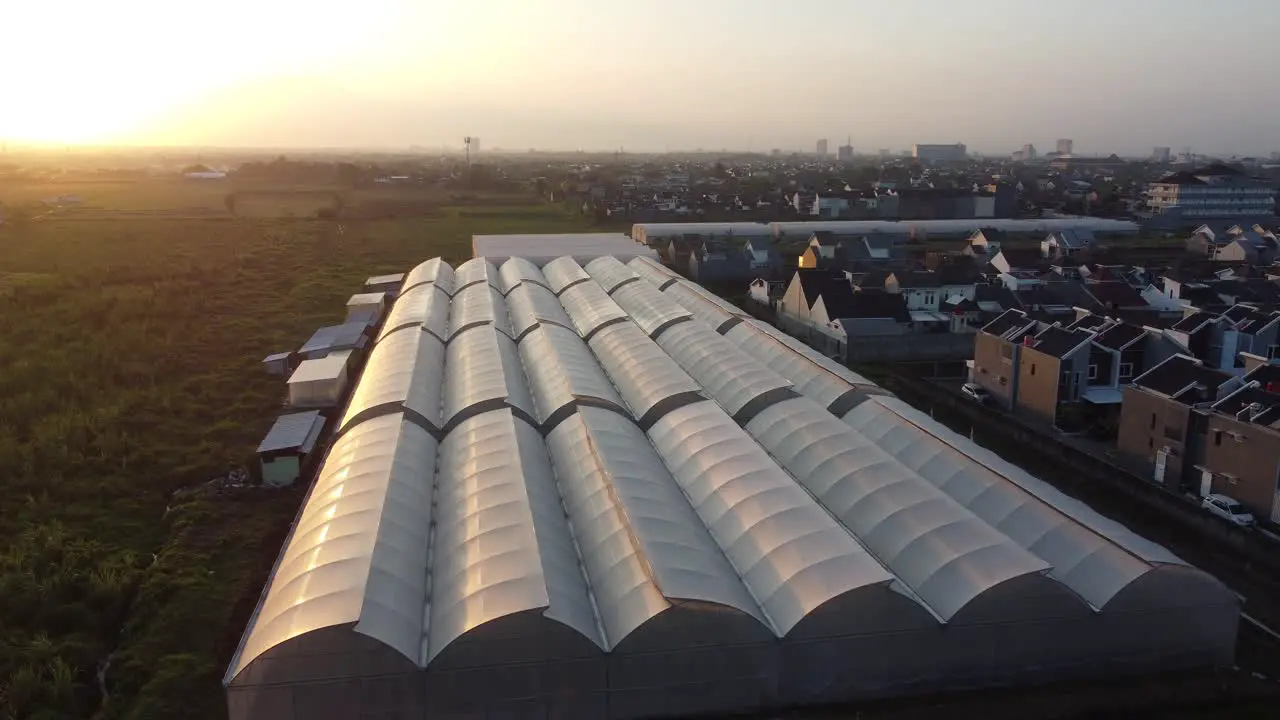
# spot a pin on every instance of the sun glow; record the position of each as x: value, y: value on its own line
x: 81, y: 71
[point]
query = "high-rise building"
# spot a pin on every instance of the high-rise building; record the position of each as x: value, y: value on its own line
x: 1161, y: 154
x: 884, y: 152
x: 939, y: 153
x: 475, y: 146
x: 822, y: 147
x: 1213, y: 191
x: 1064, y: 146
x: 845, y: 153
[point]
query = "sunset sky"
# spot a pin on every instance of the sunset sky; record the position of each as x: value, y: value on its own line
x: 1114, y: 75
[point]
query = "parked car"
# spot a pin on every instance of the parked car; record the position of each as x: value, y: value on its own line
x: 976, y: 392
x: 1228, y: 509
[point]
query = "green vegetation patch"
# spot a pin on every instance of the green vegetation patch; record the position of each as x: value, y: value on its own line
x: 130, y: 376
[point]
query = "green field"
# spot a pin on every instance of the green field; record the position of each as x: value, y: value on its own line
x: 129, y: 377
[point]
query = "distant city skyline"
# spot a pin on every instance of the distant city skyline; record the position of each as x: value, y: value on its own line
x: 744, y: 76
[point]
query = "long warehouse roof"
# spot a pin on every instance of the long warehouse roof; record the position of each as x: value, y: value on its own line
x: 599, y: 446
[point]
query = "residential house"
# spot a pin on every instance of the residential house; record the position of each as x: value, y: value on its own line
x: 1037, y: 369
x: 928, y: 289
x: 714, y: 260
x: 804, y: 291
x: 1246, y: 247
x: 996, y: 355
x: 867, y: 313
x: 761, y: 254
x: 1164, y: 419
x: 984, y: 244
x: 1067, y: 243
x: 821, y: 251
x: 1054, y: 367
x: 766, y: 292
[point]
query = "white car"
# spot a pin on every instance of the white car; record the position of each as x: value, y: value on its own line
x: 1228, y: 509
x: 975, y: 392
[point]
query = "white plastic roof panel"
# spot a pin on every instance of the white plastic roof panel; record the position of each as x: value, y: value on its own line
x: 791, y: 554
x: 358, y: 553
x: 435, y: 270
x: 476, y: 305
x: 648, y: 307
x: 610, y: 273
x: 800, y: 348
x: 530, y: 304
x: 590, y: 308
x: 809, y: 378
x: 653, y: 271
x: 562, y: 371
x: 502, y: 544
x: 563, y: 272
x: 639, y: 262
x: 642, y: 372
x: 706, y: 311
x: 403, y: 372
x: 474, y: 271
x: 482, y: 365
x: 425, y: 305
x: 1076, y: 510
x: 517, y: 270
x: 941, y: 550
x: 710, y: 297
x: 640, y: 538
x: 730, y: 376
x: 1086, y: 560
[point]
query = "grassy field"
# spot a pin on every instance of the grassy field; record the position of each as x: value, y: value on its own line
x: 129, y: 373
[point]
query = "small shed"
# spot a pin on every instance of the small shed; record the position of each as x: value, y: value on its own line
x: 366, y: 307
x: 285, y: 450
x: 332, y: 338
x: 389, y: 284
x: 320, y: 383
x: 279, y: 363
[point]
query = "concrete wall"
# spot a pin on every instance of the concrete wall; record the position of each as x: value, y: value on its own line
x: 993, y: 370
x: 1251, y: 460
x: 1038, y: 377
x: 1146, y: 422
x: 933, y: 346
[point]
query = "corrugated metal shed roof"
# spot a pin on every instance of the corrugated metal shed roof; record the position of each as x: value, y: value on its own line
x: 336, y: 337
x: 295, y: 431
x: 541, y: 248
x: 329, y: 367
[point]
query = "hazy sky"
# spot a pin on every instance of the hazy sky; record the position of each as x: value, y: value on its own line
x: 1114, y: 75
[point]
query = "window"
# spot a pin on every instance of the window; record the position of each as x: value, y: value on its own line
x: 1273, y: 352
x: 1093, y: 372
x: 1126, y: 370
x: 1217, y: 437
x: 1006, y: 352
x: 1153, y: 421
x: 1033, y: 368
x: 1151, y: 443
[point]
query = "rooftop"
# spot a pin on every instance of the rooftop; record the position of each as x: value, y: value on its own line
x: 1185, y: 379
x: 542, y: 248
